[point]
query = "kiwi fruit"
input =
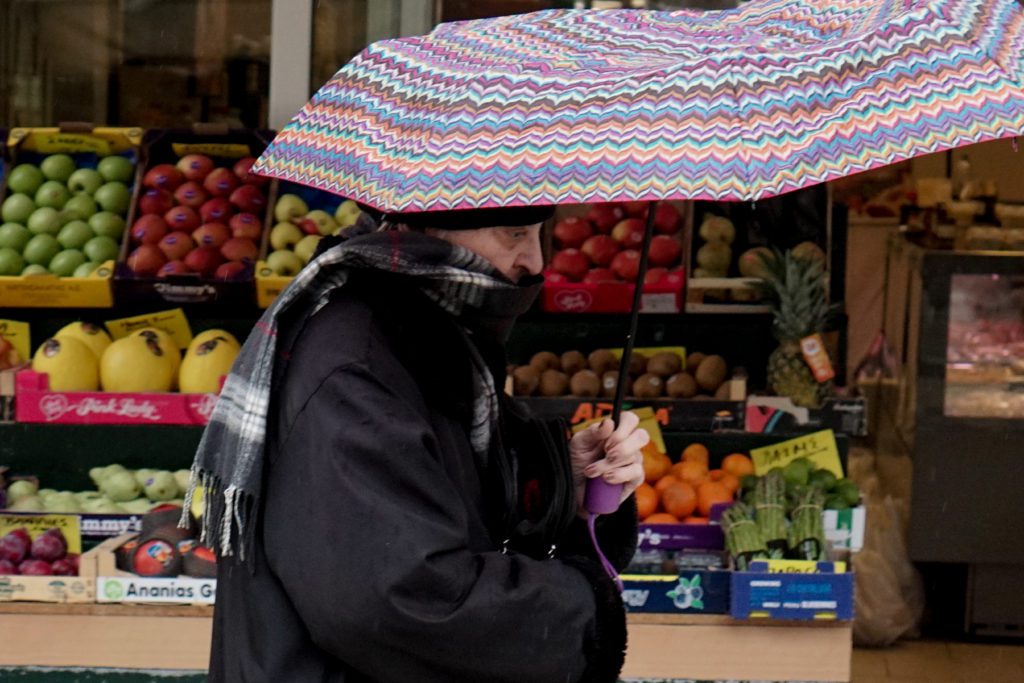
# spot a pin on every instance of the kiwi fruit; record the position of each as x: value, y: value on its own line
x: 664, y: 364
x: 693, y: 360
x: 637, y: 364
x: 681, y: 385
x: 573, y: 362
x: 585, y: 384
x: 554, y: 383
x: 723, y: 393
x: 602, y: 360
x: 648, y: 386
x: 525, y: 380
x: 711, y: 373
x: 609, y: 382
x: 545, y: 360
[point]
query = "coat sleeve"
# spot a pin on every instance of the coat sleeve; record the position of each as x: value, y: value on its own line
x: 370, y: 540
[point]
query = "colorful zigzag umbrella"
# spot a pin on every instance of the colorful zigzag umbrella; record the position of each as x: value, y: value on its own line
x: 571, y: 106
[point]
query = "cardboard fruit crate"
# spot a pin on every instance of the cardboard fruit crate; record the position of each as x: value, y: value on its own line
x: 66, y: 589
x: 692, y: 591
x: 86, y: 145
x: 114, y: 585
x: 159, y: 146
x: 35, y: 402
x: 802, y: 591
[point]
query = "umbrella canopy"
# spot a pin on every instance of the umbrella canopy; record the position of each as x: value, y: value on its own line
x: 574, y: 106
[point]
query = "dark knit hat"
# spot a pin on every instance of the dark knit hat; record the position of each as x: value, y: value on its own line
x: 471, y: 219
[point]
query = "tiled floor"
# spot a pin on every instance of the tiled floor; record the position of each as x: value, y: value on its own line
x: 939, y: 662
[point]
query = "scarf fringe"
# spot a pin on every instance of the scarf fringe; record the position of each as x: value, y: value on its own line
x: 223, y: 526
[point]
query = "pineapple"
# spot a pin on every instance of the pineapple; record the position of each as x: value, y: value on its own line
x: 794, y: 285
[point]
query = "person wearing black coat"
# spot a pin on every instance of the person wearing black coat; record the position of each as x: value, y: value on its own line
x: 384, y: 547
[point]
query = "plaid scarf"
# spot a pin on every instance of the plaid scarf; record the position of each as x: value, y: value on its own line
x: 228, y: 465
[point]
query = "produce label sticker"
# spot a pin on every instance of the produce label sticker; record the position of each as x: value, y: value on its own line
x: 17, y: 333
x: 212, y: 149
x: 36, y: 524
x: 173, y: 322
x: 813, y: 349
x: 819, y: 447
x: 63, y: 143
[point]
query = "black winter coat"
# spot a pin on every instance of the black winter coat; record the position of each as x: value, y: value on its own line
x: 378, y: 552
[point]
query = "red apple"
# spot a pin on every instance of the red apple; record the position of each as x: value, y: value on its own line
x: 146, y: 260
x: 554, y: 278
x: 155, y: 200
x: 635, y: 209
x: 173, y: 268
x: 626, y: 264
x: 243, y: 169
x: 666, y: 219
x: 600, y: 275
x: 571, y: 263
x: 216, y: 210
x: 195, y: 166
x: 249, y: 198
x: 239, y: 249
x: 655, y: 275
x: 204, y: 260
x: 664, y: 251
x: 245, y: 225
x: 601, y: 249
x: 156, y: 557
x: 176, y: 244
x: 182, y: 218
x: 229, y: 270
x: 221, y: 182
x: 308, y: 226
x: 676, y: 276
x: 190, y: 194
x: 629, y: 233
x: 35, y: 568
x: 164, y: 177
x: 572, y: 232
x: 604, y: 216
x: 211, y: 235
x: 149, y: 229
x: 62, y: 567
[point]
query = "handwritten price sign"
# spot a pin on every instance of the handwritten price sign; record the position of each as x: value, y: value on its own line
x: 820, y: 448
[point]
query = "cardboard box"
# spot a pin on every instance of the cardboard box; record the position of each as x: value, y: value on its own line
x: 697, y: 591
x: 844, y: 529
x: 224, y: 146
x: 35, y: 402
x: 116, y: 586
x: 86, y: 145
x: 19, y: 588
x: 822, y: 595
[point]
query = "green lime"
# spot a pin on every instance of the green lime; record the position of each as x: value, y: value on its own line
x: 748, y: 482
x: 796, y: 472
x: 823, y: 479
x: 836, y: 502
x: 848, y: 490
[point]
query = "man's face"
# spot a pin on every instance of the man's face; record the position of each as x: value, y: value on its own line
x: 515, y: 251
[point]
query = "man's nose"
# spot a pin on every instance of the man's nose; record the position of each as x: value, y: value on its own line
x: 531, y: 258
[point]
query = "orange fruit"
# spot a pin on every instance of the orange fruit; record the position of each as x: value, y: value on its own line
x: 725, y: 478
x: 665, y: 482
x: 738, y: 465
x: 656, y: 465
x: 693, y: 473
x: 661, y: 518
x: 696, y: 520
x: 646, y: 500
x: 696, y: 452
x: 711, y: 492
x: 679, y: 500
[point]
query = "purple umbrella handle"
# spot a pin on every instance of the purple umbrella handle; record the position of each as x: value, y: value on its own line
x: 602, y: 498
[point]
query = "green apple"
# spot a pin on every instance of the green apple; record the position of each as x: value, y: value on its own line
x: 290, y: 206
x: 101, y: 248
x: 41, y: 249
x: 102, y: 506
x: 285, y: 235
x: 58, y: 167
x: 25, y: 178
x: 35, y: 269
x: 45, y: 221
x: 113, y: 196
x: 11, y: 261
x: 86, y: 269
x: 161, y: 486
x: 75, y: 234
x: 347, y: 213
x: 83, y: 496
x: 107, y: 224
x: 284, y: 262
x: 80, y: 207
x: 325, y: 223
x: 65, y: 262
x: 306, y: 246
x: 17, y: 208
x: 115, y: 168
x: 139, y: 506
x: 22, y: 488
x: 86, y: 180
x: 52, y: 193
x: 29, y: 504
x: 120, y: 487
x: 144, y: 474
x: 14, y: 235
x: 184, y: 478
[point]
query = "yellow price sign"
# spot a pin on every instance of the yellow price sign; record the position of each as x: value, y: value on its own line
x: 17, y: 333
x: 212, y: 149
x: 64, y: 143
x: 805, y: 567
x: 173, y: 322
x: 819, y: 448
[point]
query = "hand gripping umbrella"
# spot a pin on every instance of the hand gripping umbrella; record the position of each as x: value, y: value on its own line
x: 577, y: 106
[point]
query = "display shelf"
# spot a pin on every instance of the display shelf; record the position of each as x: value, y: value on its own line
x: 660, y: 645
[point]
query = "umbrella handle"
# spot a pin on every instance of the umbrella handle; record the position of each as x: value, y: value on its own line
x: 634, y: 316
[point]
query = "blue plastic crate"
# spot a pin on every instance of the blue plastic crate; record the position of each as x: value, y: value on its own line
x: 759, y: 593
